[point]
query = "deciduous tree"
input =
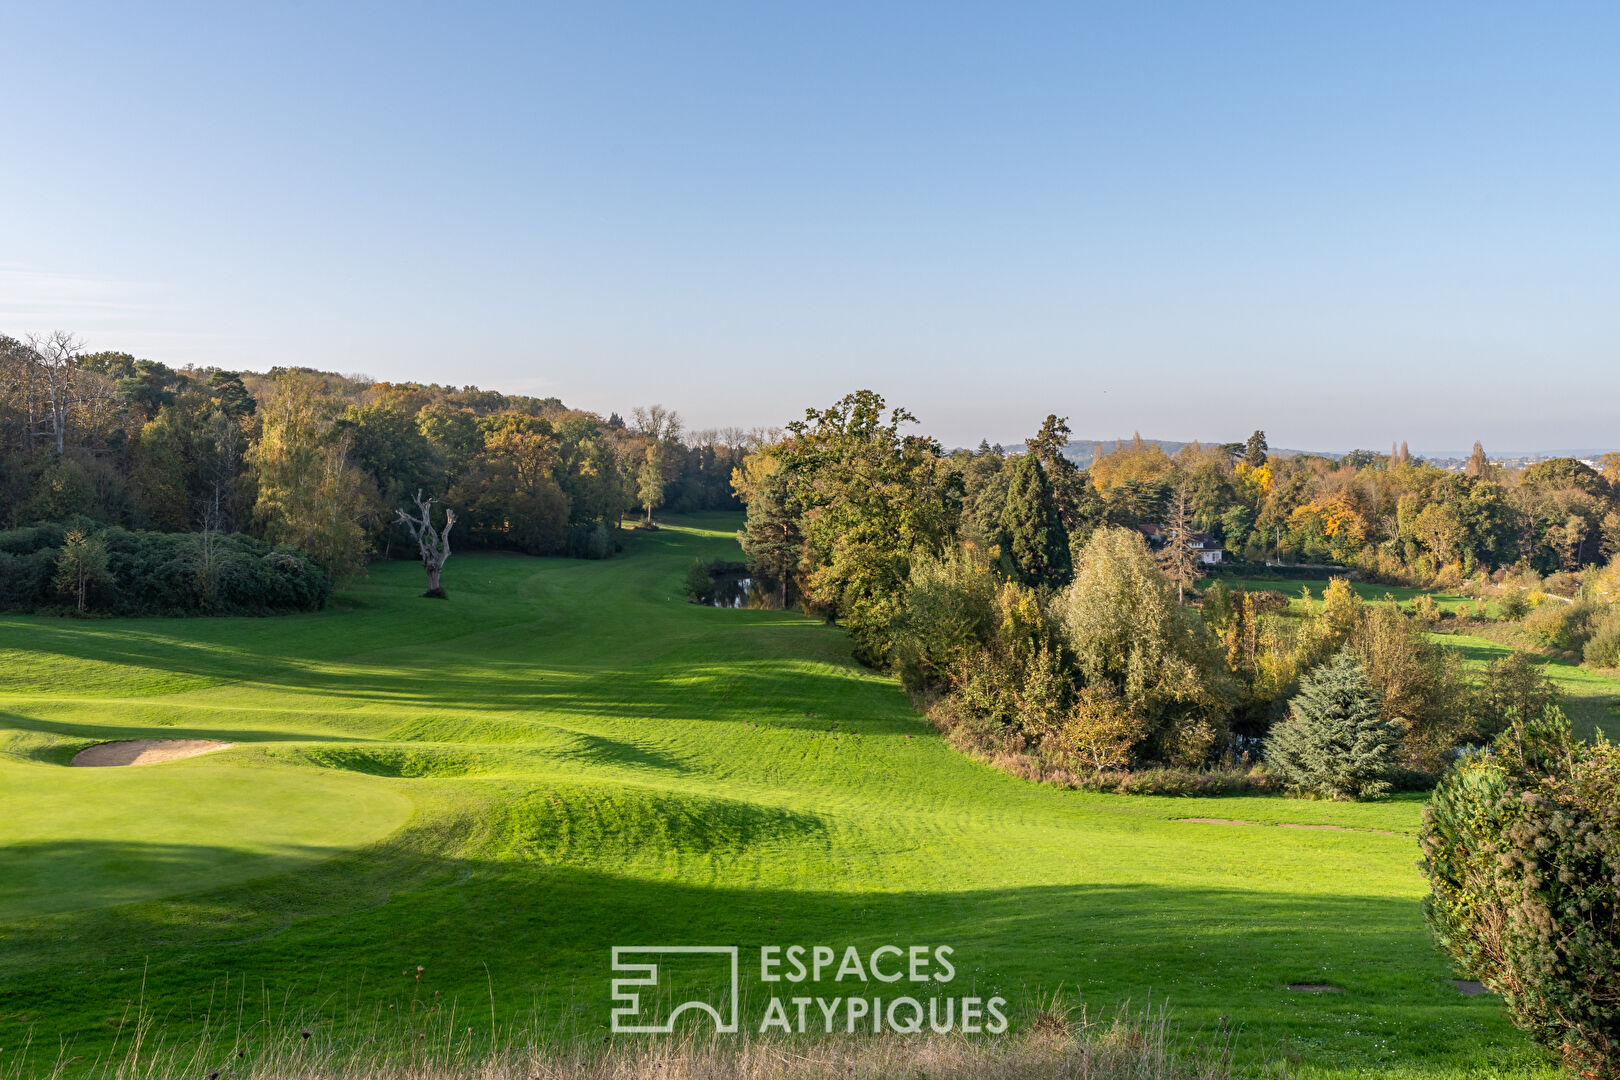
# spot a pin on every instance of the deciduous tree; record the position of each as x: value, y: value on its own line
x: 81, y: 565
x: 432, y: 543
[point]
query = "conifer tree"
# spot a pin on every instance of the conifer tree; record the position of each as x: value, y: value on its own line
x: 1254, y: 451
x: 1034, y: 540
x: 1479, y: 465
x: 1335, y: 743
x: 1177, y: 557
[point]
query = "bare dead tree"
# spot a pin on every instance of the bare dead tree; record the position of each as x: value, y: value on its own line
x: 434, y: 544
x: 43, y: 382
x: 658, y: 423
x: 55, y: 354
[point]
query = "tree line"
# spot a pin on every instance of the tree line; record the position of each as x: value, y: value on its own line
x: 315, y: 464
x: 1022, y: 607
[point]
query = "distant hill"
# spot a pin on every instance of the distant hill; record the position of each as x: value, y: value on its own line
x: 1081, y: 451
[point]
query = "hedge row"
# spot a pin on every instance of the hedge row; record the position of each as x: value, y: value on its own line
x: 153, y: 573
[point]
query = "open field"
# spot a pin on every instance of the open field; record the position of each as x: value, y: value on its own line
x: 1294, y: 589
x: 1591, y: 698
x: 567, y: 757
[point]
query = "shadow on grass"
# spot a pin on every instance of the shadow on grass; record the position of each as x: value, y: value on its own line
x: 56, y: 877
x: 79, y: 732
x: 513, y: 933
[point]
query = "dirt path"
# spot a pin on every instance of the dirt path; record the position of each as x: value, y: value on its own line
x: 144, y: 751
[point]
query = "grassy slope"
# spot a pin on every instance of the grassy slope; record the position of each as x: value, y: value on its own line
x: 1591, y: 698
x: 589, y: 761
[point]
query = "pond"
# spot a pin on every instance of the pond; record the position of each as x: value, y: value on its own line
x: 736, y: 590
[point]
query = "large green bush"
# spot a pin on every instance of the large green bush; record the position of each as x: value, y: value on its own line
x: 947, y: 612
x: 1522, y: 849
x: 154, y: 573
x: 1335, y: 742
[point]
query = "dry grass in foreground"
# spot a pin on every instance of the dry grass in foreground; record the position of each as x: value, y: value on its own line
x: 1058, y: 1044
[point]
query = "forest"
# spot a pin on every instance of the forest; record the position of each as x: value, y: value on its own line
x: 214, y: 491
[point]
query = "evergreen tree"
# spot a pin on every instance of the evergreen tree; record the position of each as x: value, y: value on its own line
x: 1034, y: 540
x: 1335, y: 743
x: 1254, y: 451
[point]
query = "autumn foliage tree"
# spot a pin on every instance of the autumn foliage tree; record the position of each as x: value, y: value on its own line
x: 311, y: 495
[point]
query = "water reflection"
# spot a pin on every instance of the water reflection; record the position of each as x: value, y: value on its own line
x: 736, y: 591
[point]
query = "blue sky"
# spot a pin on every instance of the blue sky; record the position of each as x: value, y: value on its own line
x: 1345, y: 224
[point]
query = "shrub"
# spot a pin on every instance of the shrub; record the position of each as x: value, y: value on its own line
x: 1514, y: 604
x: 1120, y: 620
x: 1099, y: 732
x: 1562, y: 624
x: 1422, y: 686
x: 1514, y: 685
x: 1335, y: 742
x: 699, y: 583
x: 589, y: 541
x: 1426, y: 609
x: 1522, y: 850
x: 154, y: 573
x: 1196, y: 783
x: 946, y: 612
x: 1217, y: 607
x: 1603, y: 647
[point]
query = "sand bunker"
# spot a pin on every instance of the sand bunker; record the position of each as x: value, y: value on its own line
x: 144, y: 751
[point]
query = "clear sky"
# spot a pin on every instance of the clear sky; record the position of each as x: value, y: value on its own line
x: 1344, y: 223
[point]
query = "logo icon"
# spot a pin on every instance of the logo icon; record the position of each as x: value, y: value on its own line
x: 628, y: 1016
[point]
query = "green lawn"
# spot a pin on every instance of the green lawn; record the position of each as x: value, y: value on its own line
x: 1591, y: 698
x: 567, y: 757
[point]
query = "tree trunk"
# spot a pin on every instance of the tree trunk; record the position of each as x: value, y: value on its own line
x: 433, y: 578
